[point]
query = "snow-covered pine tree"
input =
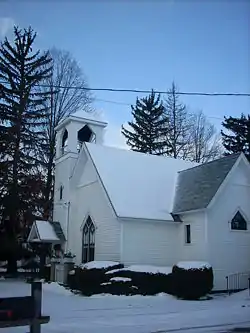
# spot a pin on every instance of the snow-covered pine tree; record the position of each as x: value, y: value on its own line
x: 149, y: 127
x: 22, y: 115
x: 236, y: 135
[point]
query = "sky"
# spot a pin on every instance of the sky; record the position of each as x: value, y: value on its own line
x: 204, y: 46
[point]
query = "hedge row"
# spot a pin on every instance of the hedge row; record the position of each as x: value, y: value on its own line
x: 89, y: 281
x: 146, y: 283
x: 182, y: 283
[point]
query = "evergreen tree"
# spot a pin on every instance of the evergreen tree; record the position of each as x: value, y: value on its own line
x: 149, y: 127
x: 237, y: 136
x: 22, y: 115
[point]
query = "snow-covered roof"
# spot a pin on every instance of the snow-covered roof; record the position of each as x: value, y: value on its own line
x: 44, y: 232
x: 84, y: 117
x: 138, y: 185
x: 93, y: 115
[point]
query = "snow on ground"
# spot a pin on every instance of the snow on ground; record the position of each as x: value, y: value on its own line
x: 99, y: 264
x: 144, y: 269
x: 56, y: 288
x: 193, y: 264
x: 132, y: 314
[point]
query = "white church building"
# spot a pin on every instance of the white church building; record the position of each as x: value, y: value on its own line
x: 119, y: 205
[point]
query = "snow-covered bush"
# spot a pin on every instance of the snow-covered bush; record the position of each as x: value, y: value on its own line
x: 101, y: 265
x: 145, y: 281
x: 119, y: 286
x: 187, y: 280
x: 88, y: 278
x: 192, y: 280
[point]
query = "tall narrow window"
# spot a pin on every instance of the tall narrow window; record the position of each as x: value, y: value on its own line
x: 88, y: 241
x: 64, y: 142
x: 61, y: 192
x: 187, y: 234
x: 238, y: 222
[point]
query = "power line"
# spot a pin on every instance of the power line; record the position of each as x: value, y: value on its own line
x: 111, y: 102
x: 138, y: 91
x: 142, y: 91
x: 127, y: 104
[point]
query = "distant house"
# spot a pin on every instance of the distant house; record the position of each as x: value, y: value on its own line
x: 120, y: 205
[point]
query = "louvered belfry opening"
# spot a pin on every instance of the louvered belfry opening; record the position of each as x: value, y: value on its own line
x: 85, y: 134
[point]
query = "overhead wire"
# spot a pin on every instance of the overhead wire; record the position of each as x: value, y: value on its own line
x: 139, y: 91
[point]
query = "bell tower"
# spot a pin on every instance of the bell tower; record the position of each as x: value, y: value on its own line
x: 71, y: 133
x: 74, y: 130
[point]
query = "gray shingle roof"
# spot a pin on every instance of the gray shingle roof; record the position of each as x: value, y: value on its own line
x: 197, y: 186
x: 58, y: 230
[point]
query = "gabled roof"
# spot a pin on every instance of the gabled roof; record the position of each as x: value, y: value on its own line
x: 46, y: 232
x: 138, y: 185
x: 197, y: 186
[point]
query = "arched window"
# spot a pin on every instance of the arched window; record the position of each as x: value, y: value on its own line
x: 238, y: 222
x: 64, y: 141
x: 88, y: 241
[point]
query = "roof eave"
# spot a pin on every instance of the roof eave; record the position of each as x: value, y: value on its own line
x: 84, y: 120
x: 129, y: 218
x: 191, y: 211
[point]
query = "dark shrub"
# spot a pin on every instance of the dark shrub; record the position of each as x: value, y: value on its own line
x: 192, y: 283
x: 89, y: 281
x: 146, y: 283
x: 31, y: 264
x: 119, y: 288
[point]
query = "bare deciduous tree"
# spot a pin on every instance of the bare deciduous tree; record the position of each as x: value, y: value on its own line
x: 205, y: 141
x: 68, y: 95
x: 180, y: 123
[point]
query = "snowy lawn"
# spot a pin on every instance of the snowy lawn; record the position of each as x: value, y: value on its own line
x: 133, y: 314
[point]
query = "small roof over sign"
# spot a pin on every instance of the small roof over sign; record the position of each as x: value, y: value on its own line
x: 43, y: 232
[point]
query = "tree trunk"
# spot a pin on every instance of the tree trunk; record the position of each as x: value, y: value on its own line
x: 12, y: 265
x: 49, y: 184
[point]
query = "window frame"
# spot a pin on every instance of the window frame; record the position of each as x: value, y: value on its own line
x: 187, y: 232
x: 231, y: 222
